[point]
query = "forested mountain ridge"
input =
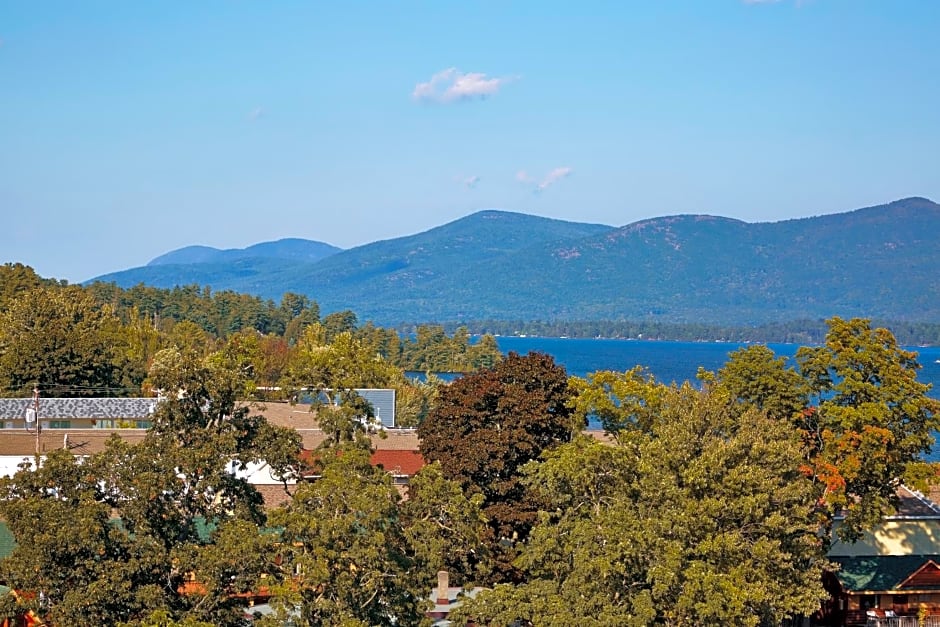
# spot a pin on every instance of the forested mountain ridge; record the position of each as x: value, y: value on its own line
x: 875, y: 262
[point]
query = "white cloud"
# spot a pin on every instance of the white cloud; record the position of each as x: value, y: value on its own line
x: 546, y: 181
x: 452, y: 85
x: 553, y: 177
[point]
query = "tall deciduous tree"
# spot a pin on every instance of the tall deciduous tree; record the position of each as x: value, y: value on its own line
x: 341, y: 364
x: 864, y: 418
x: 446, y: 529
x: 708, y: 520
x: 346, y: 558
x: 756, y: 376
x: 623, y: 402
x: 486, y: 426
x: 60, y: 339
x: 331, y: 371
x: 16, y: 279
x: 872, y: 422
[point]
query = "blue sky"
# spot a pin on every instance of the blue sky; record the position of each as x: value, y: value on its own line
x: 128, y: 129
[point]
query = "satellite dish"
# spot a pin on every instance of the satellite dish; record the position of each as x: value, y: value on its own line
x: 30, y: 415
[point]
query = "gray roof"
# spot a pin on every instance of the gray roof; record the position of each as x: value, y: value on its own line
x: 383, y: 404
x: 381, y: 399
x: 68, y: 408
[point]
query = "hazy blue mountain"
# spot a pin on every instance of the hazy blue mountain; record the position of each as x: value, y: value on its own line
x: 187, y: 255
x: 288, y: 248
x: 877, y: 262
x: 246, y: 270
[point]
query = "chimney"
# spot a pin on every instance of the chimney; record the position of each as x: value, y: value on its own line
x: 443, y: 584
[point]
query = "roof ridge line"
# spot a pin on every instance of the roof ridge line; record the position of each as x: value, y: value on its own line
x: 923, y: 499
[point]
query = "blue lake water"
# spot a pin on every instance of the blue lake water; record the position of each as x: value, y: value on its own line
x: 667, y: 361
x: 673, y: 361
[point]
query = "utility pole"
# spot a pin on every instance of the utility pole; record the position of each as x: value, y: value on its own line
x: 38, y: 421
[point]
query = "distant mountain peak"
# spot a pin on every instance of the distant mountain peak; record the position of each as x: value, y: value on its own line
x: 292, y: 248
x: 666, y: 223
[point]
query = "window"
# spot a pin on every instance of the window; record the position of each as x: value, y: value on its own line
x: 60, y: 424
x: 868, y: 602
x: 900, y: 599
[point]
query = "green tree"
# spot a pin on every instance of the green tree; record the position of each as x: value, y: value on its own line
x: 16, y: 279
x: 756, y: 376
x: 864, y: 418
x: 298, y: 312
x: 485, y: 353
x: 623, y: 402
x: 188, y: 336
x: 415, y: 399
x: 708, y: 520
x: 62, y: 340
x: 339, y: 322
x: 872, y: 422
x: 346, y: 559
x: 379, y: 341
x: 345, y: 363
x: 140, y: 341
x: 446, y: 529
x: 485, y: 427
x: 241, y: 352
x: 331, y: 372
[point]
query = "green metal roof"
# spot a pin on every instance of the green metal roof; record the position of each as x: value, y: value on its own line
x: 879, y: 573
x: 7, y: 543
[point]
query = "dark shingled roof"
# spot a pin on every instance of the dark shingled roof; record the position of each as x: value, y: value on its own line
x: 879, y: 573
x: 915, y: 504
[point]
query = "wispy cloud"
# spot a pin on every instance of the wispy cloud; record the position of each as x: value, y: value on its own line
x: 452, y: 85
x: 546, y: 181
x: 553, y: 177
x: 256, y: 114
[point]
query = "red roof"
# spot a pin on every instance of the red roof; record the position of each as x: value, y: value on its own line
x: 398, y: 462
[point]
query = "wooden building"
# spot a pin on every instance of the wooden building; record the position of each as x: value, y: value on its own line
x: 893, y: 571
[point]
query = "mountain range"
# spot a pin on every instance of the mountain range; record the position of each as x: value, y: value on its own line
x: 878, y: 262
